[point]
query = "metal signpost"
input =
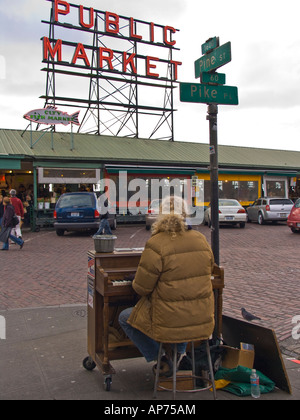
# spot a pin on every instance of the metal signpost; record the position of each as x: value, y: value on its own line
x: 212, y: 92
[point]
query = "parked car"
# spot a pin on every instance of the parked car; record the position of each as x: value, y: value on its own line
x: 153, y: 212
x: 265, y: 209
x: 230, y: 212
x: 78, y: 211
x: 293, y: 220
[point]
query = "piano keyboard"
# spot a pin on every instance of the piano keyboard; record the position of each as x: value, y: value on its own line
x: 121, y: 282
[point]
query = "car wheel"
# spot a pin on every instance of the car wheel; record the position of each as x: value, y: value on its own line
x: 242, y: 225
x: 260, y: 219
x: 148, y: 227
x: 295, y: 230
x: 60, y: 232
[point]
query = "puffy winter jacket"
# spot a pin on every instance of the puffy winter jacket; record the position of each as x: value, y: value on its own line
x: 174, y: 282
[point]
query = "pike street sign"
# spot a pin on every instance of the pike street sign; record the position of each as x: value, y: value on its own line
x: 217, y: 58
x: 208, y: 94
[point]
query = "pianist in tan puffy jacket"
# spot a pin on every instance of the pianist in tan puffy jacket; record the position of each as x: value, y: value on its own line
x: 174, y: 282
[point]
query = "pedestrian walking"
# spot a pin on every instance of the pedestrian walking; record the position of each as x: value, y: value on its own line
x: 7, y: 225
x: 104, y: 223
x: 19, y: 211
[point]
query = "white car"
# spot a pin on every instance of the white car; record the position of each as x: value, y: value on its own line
x: 230, y: 212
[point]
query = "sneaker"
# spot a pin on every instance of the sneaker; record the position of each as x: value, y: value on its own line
x: 166, y: 367
x: 166, y: 364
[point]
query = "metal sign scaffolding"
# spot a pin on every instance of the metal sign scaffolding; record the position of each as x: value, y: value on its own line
x: 122, y: 99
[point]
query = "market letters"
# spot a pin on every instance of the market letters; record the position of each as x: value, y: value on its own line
x: 111, y: 27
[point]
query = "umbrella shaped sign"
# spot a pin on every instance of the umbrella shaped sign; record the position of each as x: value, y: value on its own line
x: 51, y: 115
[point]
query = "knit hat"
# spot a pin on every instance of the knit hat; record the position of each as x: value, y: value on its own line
x: 12, y: 192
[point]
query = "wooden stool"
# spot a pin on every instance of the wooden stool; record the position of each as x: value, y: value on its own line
x: 193, y: 376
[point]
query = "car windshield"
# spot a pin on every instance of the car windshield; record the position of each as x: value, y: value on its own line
x: 228, y: 203
x: 76, y: 200
x: 297, y: 204
x: 279, y: 201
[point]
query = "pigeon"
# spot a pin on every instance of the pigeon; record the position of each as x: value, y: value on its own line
x: 249, y: 317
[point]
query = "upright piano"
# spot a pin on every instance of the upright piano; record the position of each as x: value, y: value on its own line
x: 110, y: 291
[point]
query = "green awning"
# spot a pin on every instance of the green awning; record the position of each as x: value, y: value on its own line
x: 11, y: 164
x: 157, y: 171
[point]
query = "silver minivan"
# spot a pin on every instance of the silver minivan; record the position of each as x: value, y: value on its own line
x: 273, y: 209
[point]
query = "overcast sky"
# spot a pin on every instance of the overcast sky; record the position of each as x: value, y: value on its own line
x: 265, y: 66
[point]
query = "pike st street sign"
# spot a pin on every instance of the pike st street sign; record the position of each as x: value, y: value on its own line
x: 217, y: 58
x: 208, y: 94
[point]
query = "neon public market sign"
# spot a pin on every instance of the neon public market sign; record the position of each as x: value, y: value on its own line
x: 112, y: 25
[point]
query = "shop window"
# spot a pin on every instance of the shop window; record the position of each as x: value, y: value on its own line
x: 238, y: 190
x: 276, y: 188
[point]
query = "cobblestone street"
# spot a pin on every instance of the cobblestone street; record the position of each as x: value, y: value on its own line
x: 262, y: 271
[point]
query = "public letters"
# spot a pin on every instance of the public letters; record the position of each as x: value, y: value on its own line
x: 113, y: 24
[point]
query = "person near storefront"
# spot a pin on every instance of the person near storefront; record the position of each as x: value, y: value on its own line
x: 7, y: 225
x: 19, y: 210
x: 104, y: 223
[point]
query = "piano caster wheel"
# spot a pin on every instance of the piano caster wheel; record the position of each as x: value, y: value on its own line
x: 88, y: 363
x: 107, y: 383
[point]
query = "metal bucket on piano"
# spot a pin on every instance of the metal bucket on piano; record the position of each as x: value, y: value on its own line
x: 104, y: 243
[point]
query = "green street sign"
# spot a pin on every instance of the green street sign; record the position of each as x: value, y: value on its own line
x: 208, y: 94
x: 216, y: 78
x: 213, y: 60
x: 210, y: 44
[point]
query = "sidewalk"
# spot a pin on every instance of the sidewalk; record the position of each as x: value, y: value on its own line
x: 41, y: 359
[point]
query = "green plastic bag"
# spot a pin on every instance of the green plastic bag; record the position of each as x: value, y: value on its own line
x: 239, y: 378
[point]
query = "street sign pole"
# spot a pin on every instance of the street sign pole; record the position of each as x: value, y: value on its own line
x: 213, y: 92
x: 212, y: 111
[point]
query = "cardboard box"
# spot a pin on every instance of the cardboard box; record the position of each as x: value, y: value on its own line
x: 238, y: 357
x: 184, y: 381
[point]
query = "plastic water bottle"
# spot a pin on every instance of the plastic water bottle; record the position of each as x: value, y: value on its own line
x: 254, y: 380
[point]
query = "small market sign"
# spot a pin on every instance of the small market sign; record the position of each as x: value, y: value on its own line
x: 52, y: 116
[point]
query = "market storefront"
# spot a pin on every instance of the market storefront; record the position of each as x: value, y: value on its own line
x: 131, y: 203
x: 45, y: 172
x: 246, y: 188
x: 17, y: 174
x: 52, y: 179
x: 242, y: 187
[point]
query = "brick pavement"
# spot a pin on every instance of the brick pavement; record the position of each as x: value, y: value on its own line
x: 262, y: 271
